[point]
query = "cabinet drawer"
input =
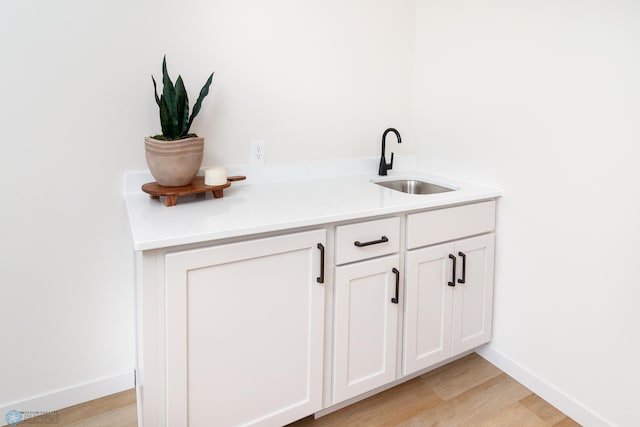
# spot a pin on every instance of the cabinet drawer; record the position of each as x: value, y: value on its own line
x: 355, y: 242
x: 428, y: 228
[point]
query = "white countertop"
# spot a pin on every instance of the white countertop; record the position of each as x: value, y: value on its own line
x: 273, y: 200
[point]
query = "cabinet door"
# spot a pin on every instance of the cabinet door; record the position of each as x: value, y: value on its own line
x: 428, y: 302
x: 365, y: 322
x: 245, y: 332
x: 473, y: 299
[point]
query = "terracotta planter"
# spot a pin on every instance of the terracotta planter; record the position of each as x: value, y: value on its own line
x: 174, y: 163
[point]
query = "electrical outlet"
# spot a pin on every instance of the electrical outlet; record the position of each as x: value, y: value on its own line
x: 258, y: 152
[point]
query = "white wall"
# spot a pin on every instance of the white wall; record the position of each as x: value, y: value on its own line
x: 315, y: 80
x: 542, y: 98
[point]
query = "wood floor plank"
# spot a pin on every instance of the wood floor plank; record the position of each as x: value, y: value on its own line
x: 86, y: 410
x: 474, y: 406
x: 566, y: 422
x: 515, y: 415
x: 461, y: 375
x: 121, y: 417
x: 541, y: 408
x: 385, y: 409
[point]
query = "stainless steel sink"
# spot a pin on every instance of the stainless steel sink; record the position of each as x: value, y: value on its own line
x: 412, y: 186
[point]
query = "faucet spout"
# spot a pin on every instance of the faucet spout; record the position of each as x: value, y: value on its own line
x: 384, y: 166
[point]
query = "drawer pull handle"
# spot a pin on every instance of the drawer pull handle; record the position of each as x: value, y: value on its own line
x: 453, y: 271
x: 320, y: 279
x: 383, y: 239
x: 464, y: 267
x: 397, y: 273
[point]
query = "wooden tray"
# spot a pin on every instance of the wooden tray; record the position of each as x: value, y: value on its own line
x: 197, y: 186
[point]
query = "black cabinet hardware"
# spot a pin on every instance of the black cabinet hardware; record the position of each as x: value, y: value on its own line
x: 397, y: 273
x: 321, y: 278
x: 464, y: 267
x: 453, y: 272
x: 383, y: 239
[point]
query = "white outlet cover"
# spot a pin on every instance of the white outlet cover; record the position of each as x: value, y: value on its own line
x: 258, y: 152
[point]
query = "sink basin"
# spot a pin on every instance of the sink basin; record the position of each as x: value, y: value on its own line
x: 413, y: 186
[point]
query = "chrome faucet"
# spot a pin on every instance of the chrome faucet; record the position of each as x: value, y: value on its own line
x: 384, y: 166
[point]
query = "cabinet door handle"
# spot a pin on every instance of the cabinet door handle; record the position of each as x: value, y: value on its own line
x: 383, y: 239
x: 464, y: 267
x: 453, y: 272
x: 320, y: 279
x: 397, y: 273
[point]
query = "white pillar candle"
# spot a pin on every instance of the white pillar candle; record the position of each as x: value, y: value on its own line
x: 216, y: 175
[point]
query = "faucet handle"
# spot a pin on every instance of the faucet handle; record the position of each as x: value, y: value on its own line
x: 390, y: 165
x: 384, y: 166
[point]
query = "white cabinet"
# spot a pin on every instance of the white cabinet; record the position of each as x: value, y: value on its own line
x: 448, y: 300
x: 446, y: 304
x: 473, y: 297
x: 365, y: 240
x: 427, y: 308
x: 444, y: 225
x: 365, y: 307
x: 366, y: 322
x: 233, y: 333
x: 244, y: 332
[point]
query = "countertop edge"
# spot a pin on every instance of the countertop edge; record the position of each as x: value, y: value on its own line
x: 144, y: 216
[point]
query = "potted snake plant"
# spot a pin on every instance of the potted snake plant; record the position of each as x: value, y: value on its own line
x: 174, y: 157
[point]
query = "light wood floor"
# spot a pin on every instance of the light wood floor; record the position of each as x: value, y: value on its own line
x: 467, y: 392
x: 117, y: 410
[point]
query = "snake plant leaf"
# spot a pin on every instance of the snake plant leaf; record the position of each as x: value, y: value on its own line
x: 173, y: 104
x: 165, y: 119
x: 182, y: 104
x: 196, y: 108
x: 169, y: 92
x: 155, y: 90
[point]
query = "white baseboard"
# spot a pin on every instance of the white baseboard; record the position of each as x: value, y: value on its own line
x: 66, y: 397
x: 544, y: 389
